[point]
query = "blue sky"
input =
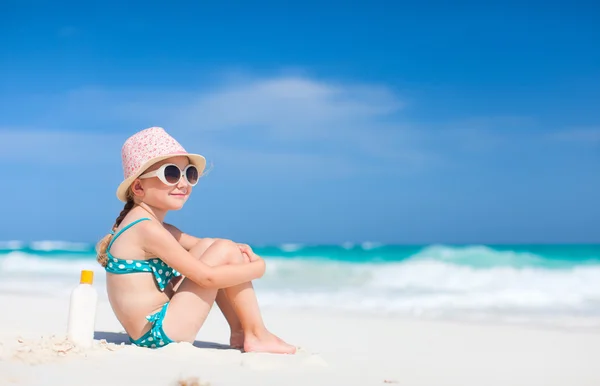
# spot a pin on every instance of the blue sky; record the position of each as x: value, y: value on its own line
x: 388, y: 122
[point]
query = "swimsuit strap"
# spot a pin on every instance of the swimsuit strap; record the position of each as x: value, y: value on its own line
x: 124, y: 229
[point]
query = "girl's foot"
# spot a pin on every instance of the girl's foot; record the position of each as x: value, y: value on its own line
x: 236, y: 339
x: 267, y: 342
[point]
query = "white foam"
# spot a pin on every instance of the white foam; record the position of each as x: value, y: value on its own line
x: 51, y: 245
x: 478, y: 255
x: 291, y: 247
x: 347, y: 245
x: 433, y: 285
x: 24, y: 263
x: 11, y: 244
x: 27, y: 273
x: 368, y: 245
x: 419, y: 286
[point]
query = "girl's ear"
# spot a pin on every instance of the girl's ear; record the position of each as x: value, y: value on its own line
x: 137, y: 189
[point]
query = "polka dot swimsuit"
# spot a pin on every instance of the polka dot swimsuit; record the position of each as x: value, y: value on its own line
x: 162, y: 273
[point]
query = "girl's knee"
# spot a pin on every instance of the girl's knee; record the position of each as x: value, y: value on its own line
x: 230, y: 252
x: 201, y: 246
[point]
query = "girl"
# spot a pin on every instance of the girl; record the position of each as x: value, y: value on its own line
x: 161, y: 282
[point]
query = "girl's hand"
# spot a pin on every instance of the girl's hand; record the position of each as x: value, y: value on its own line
x: 244, y: 248
x: 246, y: 257
x: 248, y: 253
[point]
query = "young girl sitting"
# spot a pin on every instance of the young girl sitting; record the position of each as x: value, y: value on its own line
x: 161, y: 282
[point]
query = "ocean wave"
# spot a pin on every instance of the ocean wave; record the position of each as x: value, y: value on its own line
x: 419, y: 285
x: 11, y: 245
x: 426, y: 286
x: 434, y: 288
x: 348, y: 245
x: 368, y: 245
x: 26, y: 263
x: 291, y: 247
x: 423, y: 276
x: 56, y: 245
x: 477, y: 256
x: 480, y: 256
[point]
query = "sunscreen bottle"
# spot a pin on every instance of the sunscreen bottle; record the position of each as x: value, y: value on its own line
x: 82, y: 311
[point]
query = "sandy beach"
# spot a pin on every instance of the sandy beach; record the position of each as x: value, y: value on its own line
x: 335, y: 349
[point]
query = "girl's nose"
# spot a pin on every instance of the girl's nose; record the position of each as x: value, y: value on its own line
x: 182, y: 183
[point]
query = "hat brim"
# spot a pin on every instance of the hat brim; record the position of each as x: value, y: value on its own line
x: 195, y: 159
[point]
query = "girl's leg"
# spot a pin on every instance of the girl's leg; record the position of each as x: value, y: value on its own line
x: 191, y: 303
x: 236, y: 338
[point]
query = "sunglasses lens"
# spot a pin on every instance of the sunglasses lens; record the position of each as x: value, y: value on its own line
x: 192, y: 175
x: 172, y: 174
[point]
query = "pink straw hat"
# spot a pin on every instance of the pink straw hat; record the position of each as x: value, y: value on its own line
x: 145, y: 148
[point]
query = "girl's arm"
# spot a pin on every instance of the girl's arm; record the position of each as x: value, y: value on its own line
x: 188, y: 241
x: 159, y: 242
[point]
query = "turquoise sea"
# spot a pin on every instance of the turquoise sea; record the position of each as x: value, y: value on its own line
x: 553, y: 284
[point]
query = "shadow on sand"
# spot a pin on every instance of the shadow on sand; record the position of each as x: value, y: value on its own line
x: 119, y: 337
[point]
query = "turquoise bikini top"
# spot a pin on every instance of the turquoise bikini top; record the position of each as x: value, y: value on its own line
x: 162, y: 272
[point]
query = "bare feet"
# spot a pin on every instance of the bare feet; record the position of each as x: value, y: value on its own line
x: 237, y: 339
x: 267, y: 343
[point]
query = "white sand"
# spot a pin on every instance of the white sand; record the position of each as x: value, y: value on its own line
x: 336, y: 349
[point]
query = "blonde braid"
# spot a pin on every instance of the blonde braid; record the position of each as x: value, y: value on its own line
x: 102, y: 245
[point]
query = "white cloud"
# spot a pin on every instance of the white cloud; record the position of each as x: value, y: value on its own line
x: 285, y: 114
x: 297, y: 124
x: 279, y: 164
x: 289, y: 107
x: 589, y: 135
x: 292, y: 121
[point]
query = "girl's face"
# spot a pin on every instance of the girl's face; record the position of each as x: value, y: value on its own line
x: 159, y: 195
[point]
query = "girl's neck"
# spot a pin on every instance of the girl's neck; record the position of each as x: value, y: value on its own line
x: 158, y: 214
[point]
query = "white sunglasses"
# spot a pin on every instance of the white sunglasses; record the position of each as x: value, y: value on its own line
x: 170, y: 174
